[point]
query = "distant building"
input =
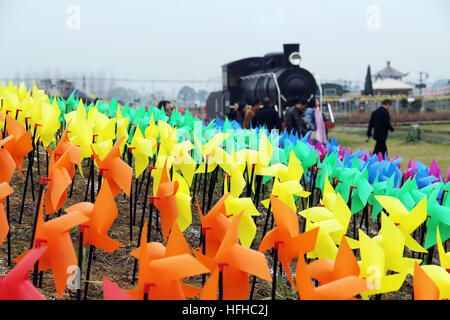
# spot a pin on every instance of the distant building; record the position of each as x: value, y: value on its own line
x: 391, y: 87
x: 389, y: 73
x: 438, y: 88
x: 332, y: 89
x: 388, y: 81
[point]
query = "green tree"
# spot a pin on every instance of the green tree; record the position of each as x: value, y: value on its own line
x: 368, y: 88
x: 186, y: 93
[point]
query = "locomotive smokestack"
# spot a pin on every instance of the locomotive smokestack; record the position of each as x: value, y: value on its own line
x: 291, y: 53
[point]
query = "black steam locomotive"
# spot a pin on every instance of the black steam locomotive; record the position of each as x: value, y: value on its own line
x: 276, y: 75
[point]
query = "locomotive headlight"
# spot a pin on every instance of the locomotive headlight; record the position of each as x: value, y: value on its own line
x: 295, y: 58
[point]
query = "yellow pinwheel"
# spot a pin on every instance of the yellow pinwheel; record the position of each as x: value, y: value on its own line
x: 392, y: 240
x: 293, y: 171
x: 406, y: 221
x: 333, y: 220
x: 286, y: 192
x: 102, y: 127
x: 49, y: 120
x: 81, y: 133
x: 247, y: 227
x: 373, y: 268
x: 142, y: 150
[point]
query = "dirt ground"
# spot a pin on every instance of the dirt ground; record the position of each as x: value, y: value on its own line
x: 118, y: 266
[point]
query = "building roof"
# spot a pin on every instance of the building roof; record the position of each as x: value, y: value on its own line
x: 390, y: 84
x: 389, y: 72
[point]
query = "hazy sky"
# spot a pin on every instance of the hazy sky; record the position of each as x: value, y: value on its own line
x: 174, y: 39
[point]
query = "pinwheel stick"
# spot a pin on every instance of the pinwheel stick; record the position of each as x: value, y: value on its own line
x: 203, y: 244
x: 9, y: 233
x: 350, y: 207
x: 195, y: 186
x: 38, y: 204
x: 365, y: 218
x: 221, y: 266
x: 149, y: 227
x: 212, y: 184
x: 136, y: 195
x: 252, y: 290
x: 275, y: 265
x: 267, y: 220
x: 80, y: 258
x: 90, y: 162
x: 250, y: 181
x: 71, y: 186
x: 22, y: 206
x: 205, y: 183
x: 38, y: 161
x: 257, y: 192
x: 131, y: 196
x: 88, y: 271
x: 36, y: 265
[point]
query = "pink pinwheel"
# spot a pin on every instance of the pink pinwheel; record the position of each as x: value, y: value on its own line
x: 16, y: 284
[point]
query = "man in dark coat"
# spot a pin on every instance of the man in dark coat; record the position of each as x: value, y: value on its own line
x: 380, y: 122
x: 267, y: 115
x: 295, y: 122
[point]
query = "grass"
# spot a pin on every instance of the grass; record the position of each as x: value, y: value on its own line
x: 423, y: 151
x: 439, y: 127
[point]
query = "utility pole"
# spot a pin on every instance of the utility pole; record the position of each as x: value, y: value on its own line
x: 421, y: 85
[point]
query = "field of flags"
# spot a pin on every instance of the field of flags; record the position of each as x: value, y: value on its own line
x: 337, y: 224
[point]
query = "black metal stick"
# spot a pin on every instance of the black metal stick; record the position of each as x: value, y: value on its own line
x: 73, y: 182
x: 275, y: 264
x: 136, y: 195
x: 131, y: 198
x: 88, y: 271
x: 88, y: 182
x: 212, y: 185
x: 221, y: 266
x: 80, y: 258
x: 9, y: 232
x: 22, y: 206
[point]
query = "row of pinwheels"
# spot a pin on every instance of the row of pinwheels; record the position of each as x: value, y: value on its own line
x: 260, y: 154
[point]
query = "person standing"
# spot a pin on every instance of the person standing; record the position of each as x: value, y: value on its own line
x: 232, y: 114
x: 380, y: 122
x: 166, y: 106
x: 267, y: 115
x: 295, y: 122
x: 251, y: 113
x: 240, y: 113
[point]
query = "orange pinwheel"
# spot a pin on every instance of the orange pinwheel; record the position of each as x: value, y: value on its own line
x: 16, y: 284
x: 166, y: 203
x: 345, y: 265
x: 341, y: 289
x: 115, y: 170
x: 236, y: 263
x: 424, y: 287
x: 161, y: 269
x: 214, y: 226
x: 5, y: 190
x: 60, y: 254
x: 64, y: 145
x: 342, y: 275
x: 59, y: 180
x: 101, y: 217
x: 6, y: 161
x: 20, y: 145
x: 286, y: 237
